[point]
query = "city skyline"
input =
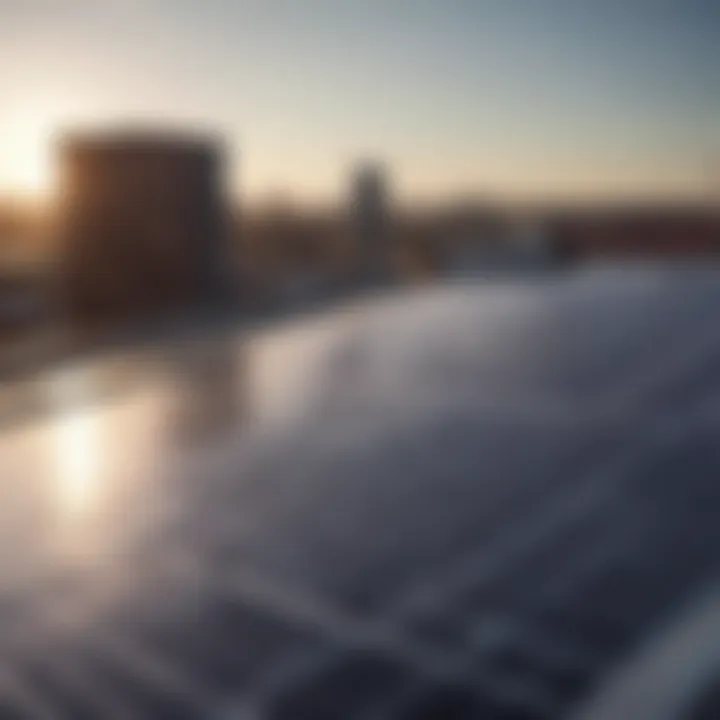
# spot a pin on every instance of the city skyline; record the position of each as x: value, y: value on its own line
x: 525, y: 99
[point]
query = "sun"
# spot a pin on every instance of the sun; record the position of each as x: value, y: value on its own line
x: 26, y: 166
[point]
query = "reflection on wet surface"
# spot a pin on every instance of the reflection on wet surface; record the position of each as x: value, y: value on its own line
x: 252, y: 515
x: 96, y: 459
x: 207, y: 393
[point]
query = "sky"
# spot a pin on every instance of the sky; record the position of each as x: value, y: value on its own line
x: 525, y: 98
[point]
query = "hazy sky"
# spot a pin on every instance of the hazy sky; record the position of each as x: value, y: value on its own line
x: 538, y: 97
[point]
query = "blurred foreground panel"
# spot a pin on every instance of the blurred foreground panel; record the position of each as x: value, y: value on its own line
x: 472, y: 502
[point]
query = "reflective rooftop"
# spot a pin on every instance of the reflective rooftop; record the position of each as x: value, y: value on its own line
x: 467, y: 502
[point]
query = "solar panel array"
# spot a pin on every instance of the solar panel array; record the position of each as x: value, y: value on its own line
x: 470, y: 504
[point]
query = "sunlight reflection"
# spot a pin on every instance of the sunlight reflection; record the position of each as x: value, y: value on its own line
x: 77, y: 447
x: 77, y: 458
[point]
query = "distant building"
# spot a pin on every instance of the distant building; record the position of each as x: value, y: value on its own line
x: 469, y: 239
x: 369, y: 218
x: 293, y: 256
x: 142, y: 225
x: 644, y: 233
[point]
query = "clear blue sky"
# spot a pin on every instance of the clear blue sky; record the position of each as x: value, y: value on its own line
x: 526, y: 97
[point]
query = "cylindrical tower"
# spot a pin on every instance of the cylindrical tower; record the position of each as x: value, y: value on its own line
x: 142, y: 225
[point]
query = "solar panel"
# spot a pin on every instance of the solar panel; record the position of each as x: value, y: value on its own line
x: 474, y: 501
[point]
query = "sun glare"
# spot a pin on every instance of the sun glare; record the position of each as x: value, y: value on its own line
x: 25, y: 155
x: 28, y: 169
x: 77, y: 451
x: 77, y: 462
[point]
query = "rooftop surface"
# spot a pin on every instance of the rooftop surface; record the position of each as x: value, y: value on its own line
x: 468, y: 502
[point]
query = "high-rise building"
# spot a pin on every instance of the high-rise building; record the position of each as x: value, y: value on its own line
x: 142, y: 225
x: 369, y: 216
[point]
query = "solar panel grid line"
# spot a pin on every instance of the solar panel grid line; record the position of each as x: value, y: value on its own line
x: 514, y: 693
x: 147, y: 666
x: 202, y: 700
x: 600, y: 485
x: 343, y: 634
x: 430, y: 662
x: 296, y: 605
x: 186, y: 661
x: 486, y: 562
x: 45, y: 654
x: 73, y: 694
x: 573, y: 549
x: 351, y: 632
x: 626, y: 541
x: 617, y: 550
